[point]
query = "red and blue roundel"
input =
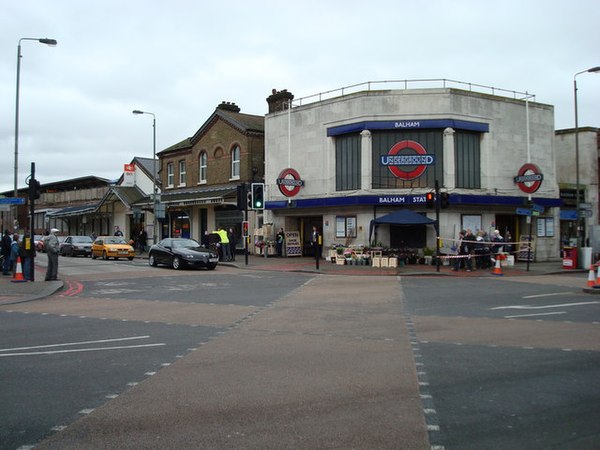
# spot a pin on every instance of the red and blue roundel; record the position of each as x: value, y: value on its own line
x: 407, y: 154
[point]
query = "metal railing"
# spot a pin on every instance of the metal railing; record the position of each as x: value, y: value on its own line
x: 411, y: 84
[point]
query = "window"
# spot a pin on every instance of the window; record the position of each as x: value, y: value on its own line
x: 202, y: 167
x: 181, y: 173
x: 235, y: 163
x: 345, y: 227
x: 468, y: 160
x: 170, y: 175
x: 347, y: 163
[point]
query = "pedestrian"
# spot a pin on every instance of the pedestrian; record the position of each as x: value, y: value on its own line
x: 6, y: 242
x: 508, y: 242
x: 52, y: 246
x: 231, y: 237
x: 26, y: 259
x: 224, y: 243
x: 142, y: 240
x: 497, y: 242
x: 118, y: 232
x: 469, y: 242
x: 316, y: 242
x: 280, y: 238
x: 461, y: 252
x: 15, y: 253
x: 205, y: 239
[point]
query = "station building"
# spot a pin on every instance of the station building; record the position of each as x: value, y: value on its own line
x: 339, y: 160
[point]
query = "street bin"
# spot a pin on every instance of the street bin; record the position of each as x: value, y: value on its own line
x: 569, y: 260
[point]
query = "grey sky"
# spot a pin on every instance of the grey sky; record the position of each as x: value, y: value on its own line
x: 179, y: 59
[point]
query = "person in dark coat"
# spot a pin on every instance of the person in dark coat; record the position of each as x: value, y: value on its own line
x: 6, y: 242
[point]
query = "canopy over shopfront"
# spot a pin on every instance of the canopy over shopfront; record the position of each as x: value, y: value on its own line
x: 405, y: 217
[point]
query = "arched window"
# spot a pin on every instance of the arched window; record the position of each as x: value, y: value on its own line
x: 235, y: 162
x: 202, y: 160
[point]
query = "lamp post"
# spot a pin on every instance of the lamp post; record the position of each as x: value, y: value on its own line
x: 578, y: 214
x: 154, y: 198
x: 52, y: 43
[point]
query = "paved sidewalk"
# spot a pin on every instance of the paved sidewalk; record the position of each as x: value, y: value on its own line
x: 18, y: 292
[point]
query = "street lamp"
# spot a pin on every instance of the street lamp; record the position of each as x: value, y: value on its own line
x: 137, y: 111
x: 52, y: 43
x: 578, y: 218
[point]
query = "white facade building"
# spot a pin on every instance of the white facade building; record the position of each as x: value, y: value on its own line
x: 340, y: 162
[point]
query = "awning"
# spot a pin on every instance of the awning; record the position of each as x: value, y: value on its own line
x: 402, y: 217
x: 73, y: 210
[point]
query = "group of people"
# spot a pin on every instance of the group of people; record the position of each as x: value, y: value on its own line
x: 225, y: 243
x: 15, y: 249
x: 481, y: 248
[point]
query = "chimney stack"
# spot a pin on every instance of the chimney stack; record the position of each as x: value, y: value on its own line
x: 279, y: 100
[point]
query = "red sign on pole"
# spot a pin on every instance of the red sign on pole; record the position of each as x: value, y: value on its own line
x: 529, y: 178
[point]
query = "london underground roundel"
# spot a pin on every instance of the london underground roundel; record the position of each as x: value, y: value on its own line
x: 407, y: 160
x: 529, y: 178
x: 289, y: 182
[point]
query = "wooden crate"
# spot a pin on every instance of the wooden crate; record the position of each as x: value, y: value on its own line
x: 376, y: 261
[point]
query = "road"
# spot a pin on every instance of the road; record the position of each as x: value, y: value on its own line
x: 130, y: 356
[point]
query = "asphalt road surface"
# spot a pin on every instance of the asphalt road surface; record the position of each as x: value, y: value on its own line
x: 129, y: 356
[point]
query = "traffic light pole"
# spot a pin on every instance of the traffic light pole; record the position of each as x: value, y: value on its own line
x: 437, y: 225
x: 32, y: 190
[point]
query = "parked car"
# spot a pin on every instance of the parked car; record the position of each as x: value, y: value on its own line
x: 181, y: 252
x: 112, y: 247
x: 77, y: 245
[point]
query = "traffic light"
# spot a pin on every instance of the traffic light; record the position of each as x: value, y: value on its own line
x: 35, y: 189
x: 429, y: 200
x: 258, y: 196
x: 444, y: 200
x: 242, y: 196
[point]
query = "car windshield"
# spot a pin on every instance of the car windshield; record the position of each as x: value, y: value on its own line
x: 115, y: 240
x: 185, y: 243
x: 81, y: 239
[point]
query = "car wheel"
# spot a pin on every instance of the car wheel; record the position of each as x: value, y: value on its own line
x: 72, y: 253
x: 130, y: 258
x: 104, y: 255
x: 176, y: 263
x: 93, y: 256
x: 211, y: 266
x: 152, y: 261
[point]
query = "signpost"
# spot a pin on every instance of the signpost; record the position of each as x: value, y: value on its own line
x: 12, y: 201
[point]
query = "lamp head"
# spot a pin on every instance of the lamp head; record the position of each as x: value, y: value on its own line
x: 137, y: 111
x: 50, y: 42
x: 594, y: 69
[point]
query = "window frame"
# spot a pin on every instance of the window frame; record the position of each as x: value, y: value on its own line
x: 235, y: 162
x: 345, y: 227
x: 182, y: 173
x: 202, y: 167
x: 170, y: 175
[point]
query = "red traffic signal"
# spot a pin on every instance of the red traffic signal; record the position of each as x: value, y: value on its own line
x: 429, y: 200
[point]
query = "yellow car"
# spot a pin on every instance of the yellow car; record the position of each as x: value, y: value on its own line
x: 112, y: 247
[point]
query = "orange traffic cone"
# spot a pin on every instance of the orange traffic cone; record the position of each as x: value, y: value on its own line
x: 18, y: 276
x: 497, y: 269
x: 591, y: 282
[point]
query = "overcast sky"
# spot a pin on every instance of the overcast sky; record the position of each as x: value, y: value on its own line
x: 180, y: 59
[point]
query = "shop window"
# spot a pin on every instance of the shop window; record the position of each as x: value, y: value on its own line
x: 182, y: 173
x: 235, y: 163
x: 345, y: 226
x: 170, y: 175
x: 202, y: 161
x: 347, y: 163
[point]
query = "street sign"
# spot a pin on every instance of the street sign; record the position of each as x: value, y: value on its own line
x: 585, y: 206
x: 12, y: 201
x: 537, y: 208
x: 524, y: 212
x: 585, y: 213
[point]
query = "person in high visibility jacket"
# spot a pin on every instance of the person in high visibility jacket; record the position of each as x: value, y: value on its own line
x: 224, y: 243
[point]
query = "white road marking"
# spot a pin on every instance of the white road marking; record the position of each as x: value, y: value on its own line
x: 2, y: 355
x: 75, y: 343
x: 535, y: 315
x: 563, y: 305
x: 549, y: 295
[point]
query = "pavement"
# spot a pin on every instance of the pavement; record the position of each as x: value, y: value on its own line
x: 18, y: 292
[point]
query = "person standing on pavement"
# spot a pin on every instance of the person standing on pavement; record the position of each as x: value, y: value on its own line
x: 118, y: 231
x: 231, y: 237
x: 280, y: 238
x: 15, y: 253
x: 224, y: 243
x: 6, y: 242
x: 52, y: 246
x: 316, y: 242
